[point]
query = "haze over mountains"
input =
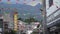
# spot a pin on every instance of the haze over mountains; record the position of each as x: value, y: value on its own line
x: 24, y: 11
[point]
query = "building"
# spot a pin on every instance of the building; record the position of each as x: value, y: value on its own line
x: 21, y: 27
x: 5, y: 26
x: 1, y: 24
x: 8, y: 19
x: 53, y: 16
x: 15, y: 18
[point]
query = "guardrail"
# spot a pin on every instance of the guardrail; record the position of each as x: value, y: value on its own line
x: 54, y: 16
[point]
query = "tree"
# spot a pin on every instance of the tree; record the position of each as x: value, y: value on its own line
x: 31, y: 19
x: 10, y: 32
x: 13, y: 32
x: 6, y: 32
x: 20, y: 19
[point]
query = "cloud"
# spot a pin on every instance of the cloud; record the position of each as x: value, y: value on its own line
x: 34, y: 3
x: 28, y: 2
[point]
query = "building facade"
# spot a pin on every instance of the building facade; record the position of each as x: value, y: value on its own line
x: 53, y: 16
x: 5, y: 26
x: 9, y: 20
x: 21, y: 27
x: 15, y: 18
x: 1, y: 24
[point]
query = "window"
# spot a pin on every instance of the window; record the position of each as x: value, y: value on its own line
x: 50, y: 3
x: 1, y: 19
x: 1, y: 23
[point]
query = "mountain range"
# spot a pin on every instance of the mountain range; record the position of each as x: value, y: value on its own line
x: 24, y: 11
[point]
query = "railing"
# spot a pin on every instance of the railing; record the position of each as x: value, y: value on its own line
x: 54, y: 16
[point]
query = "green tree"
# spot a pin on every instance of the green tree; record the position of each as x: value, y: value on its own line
x: 6, y: 32
x: 29, y: 20
x: 20, y: 19
x: 13, y: 32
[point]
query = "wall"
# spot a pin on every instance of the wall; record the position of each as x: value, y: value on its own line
x: 53, y: 8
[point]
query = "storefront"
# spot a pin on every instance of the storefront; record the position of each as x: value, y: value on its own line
x: 55, y: 29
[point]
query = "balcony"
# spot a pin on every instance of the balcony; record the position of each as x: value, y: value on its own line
x: 53, y: 16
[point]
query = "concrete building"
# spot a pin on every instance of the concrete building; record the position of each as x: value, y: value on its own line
x: 1, y: 24
x: 15, y: 18
x: 8, y: 19
x: 5, y: 26
x: 21, y: 27
x: 53, y: 16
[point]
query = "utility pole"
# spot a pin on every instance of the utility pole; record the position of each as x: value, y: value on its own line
x: 44, y: 21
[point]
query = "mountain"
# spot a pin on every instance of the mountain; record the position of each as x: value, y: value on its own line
x: 23, y: 9
x: 38, y: 5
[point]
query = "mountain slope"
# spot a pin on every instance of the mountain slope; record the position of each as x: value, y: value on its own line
x: 23, y: 9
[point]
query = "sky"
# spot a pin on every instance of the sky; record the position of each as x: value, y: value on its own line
x: 28, y: 2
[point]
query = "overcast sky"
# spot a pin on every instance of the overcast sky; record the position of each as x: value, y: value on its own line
x: 28, y: 2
